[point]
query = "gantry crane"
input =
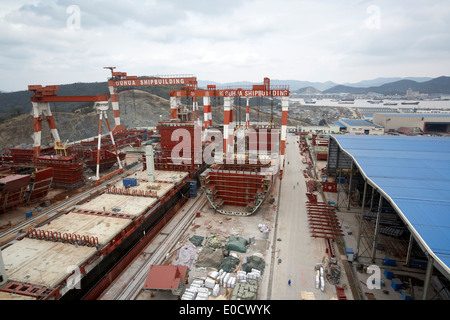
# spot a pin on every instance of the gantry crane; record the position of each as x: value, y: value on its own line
x: 263, y: 90
x: 42, y: 96
x: 121, y: 79
x: 101, y: 108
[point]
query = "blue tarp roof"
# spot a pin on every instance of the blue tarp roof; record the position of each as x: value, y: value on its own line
x: 340, y: 124
x: 414, y: 173
x: 443, y: 115
x: 357, y: 122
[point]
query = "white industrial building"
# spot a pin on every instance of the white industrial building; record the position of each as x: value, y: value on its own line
x: 319, y: 129
x: 435, y: 123
x: 358, y: 126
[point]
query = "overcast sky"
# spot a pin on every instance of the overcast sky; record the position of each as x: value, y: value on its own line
x: 66, y: 41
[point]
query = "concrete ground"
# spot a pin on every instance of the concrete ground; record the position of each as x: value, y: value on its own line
x: 289, y: 251
x: 349, y: 218
x: 298, y: 251
x: 350, y: 222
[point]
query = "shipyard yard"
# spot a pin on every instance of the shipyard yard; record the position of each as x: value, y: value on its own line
x: 230, y: 159
x: 287, y: 250
x: 278, y: 235
x: 276, y: 212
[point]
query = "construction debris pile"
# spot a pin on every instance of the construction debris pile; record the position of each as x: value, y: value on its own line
x: 333, y: 273
x: 229, y: 277
x: 213, y: 241
x: 186, y: 256
x: 238, y: 244
x: 245, y: 291
x: 212, y: 254
x: 254, y: 263
x: 196, y: 240
x: 244, y: 285
x: 229, y: 263
x: 209, y: 257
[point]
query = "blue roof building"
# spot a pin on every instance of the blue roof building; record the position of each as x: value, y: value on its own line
x: 413, y: 175
x: 359, y: 126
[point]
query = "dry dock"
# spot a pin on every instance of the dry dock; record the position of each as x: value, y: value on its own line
x: 288, y: 250
x: 43, y: 262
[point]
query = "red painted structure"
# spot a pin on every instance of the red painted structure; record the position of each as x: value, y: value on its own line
x: 67, y: 170
x: 233, y: 187
x: 323, y: 222
x: 185, y: 136
x: 166, y: 277
x: 12, y: 191
x: 40, y: 184
x: 329, y: 187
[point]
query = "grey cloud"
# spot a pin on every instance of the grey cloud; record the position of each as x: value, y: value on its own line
x: 102, y: 13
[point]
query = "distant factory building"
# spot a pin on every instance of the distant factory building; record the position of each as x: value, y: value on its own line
x: 415, y: 122
x: 372, y: 110
x: 357, y: 126
x: 319, y: 129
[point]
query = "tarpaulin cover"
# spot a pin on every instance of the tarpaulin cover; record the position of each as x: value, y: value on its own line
x: 414, y: 173
x: 238, y: 244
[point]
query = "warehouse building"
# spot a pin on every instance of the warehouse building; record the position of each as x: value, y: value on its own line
x: 319, y: 129
x: 401, y: 186
x: 358, y: 126
x: 429, y: 123
x: 364, y: 111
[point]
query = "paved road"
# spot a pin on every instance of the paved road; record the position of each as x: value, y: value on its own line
x: 298, y: 251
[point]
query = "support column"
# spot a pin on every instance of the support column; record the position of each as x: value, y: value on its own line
x: 210, y: 115
x: 371, y: 199
x: 408, y: 253
x: 226, y: 122
x: 99, y: 138
x: 199, y: 122
x: 112, y: 141
x: 39, y: 111
x: 101, y: 110
x: 231, y: 128
x: 206, y: 106
x: 195, y: 109
x: 339, y: 180
x: 377, y: 228
x: 173, y: 109
x: 37, y: 125
x: 231, y: 110
x: 51, y: 124
x: 247, y: 115
x: 115, y: 107
x: 428, y: 275
x: 361, y: 219
x: 284, y: 118
x: 350, y: 186
x: 150, y: 163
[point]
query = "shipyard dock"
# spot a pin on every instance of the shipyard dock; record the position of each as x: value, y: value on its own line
x: 279, y: 235
x: 328, y: 217
x: 76, y: 242
x: 292, y: 240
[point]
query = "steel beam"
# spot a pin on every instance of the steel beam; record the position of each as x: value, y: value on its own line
x: 428, y: 274
x: 377, y: 228
x: 350, y: 186
x: 361, y: 219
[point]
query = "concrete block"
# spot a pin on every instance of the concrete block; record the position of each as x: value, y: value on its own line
x: 210, y: 283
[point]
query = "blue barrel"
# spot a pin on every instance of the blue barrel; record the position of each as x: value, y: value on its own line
x: 193, y: 188
x: 129, y: 182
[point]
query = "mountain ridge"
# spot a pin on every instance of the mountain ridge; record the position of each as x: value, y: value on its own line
x: 16, y: 103
x: 439, y: 85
